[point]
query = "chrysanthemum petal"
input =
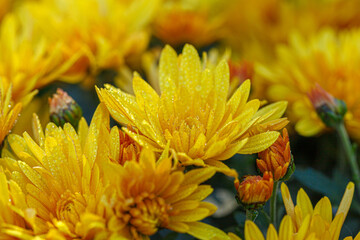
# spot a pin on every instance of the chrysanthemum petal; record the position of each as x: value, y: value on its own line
x: 303, y: 230
x: 178, y: 226
x: 271, y: 233
x: 190, y: 67
x: 168, y: 70
x: 323, y: 207
x: 198, y: 176
x: 303, y: 201
x: 346, y: 200
x: 286, y: 228
x: 202, y: 192
x: 204, y: 231
x: 252, y: 232
x: 336, y: 225
x: 288, y: 203
x: 259, y: 142
x: 221, y: 167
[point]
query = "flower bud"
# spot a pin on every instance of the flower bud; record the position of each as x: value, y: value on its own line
x: 254, y: 191
x: 330, y: 109
x: 277, y: 159
x: 63, y: 109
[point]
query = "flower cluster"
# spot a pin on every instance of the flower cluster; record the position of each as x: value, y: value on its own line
x: 183, y: 98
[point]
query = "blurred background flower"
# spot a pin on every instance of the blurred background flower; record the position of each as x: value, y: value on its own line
x: 326, y: 58
x: 196, y: 22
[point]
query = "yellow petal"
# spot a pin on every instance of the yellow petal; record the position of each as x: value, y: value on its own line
x: 202, y: 192
x: 233, y: 236
x: 323, y: 208
x: 168, y: 70
x: 239, y: 98
x: 252, y: 232
x: 308, y: 127
x: 232, y: 149
x: 100, y: 118
x: 191, y: 215
x: 222, y: 77
x: 190, y: 67
x: 34, y: 148
x: 38, y: 131
x: 198, y: 176
x: 289, y: 205
x: 221, y: 167
x: 286, y: 229
x: 336, y: 225
x: 178, y: 226
x: 303, y: 201
x: 271, y: 233
x: 346, y: 200
x: 272, y: 111
x: 204, y: 231
x: 146, y: 96
x: 259, y: 142
x: 303, y: 230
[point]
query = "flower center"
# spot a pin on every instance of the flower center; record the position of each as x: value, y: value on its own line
x: 145, y: 214
x: 69, y: 208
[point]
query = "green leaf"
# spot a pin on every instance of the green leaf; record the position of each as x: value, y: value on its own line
x: 320, y: 183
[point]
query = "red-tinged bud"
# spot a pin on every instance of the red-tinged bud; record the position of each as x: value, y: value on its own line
x: 330, y: 109
x: 64, y: 109
x: 277, y: 159
x: 254, y: 191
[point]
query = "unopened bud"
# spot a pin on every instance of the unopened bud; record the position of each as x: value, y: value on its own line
x: 277, y: 159
x: 330, y: 109
x: 64, y: 109
x: 254, y: 191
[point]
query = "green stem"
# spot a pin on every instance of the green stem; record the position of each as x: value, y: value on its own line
x: 266, y: 215
x: 273, y: 203
x: 249, y: 215
x: 350, y: 155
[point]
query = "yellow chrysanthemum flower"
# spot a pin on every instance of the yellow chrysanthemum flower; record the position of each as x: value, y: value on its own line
x: 263, y: 24
x: 150, y: 195
x: 59, y: 176
x: 8, y: 111
x: 193, y: 115
x: 327, y: 59
x: 106, y: 32
x: 197, y: 22
x: 44, y: 61
x: 316, y: 221
x: 14, y: 223
x: 305, y: 222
